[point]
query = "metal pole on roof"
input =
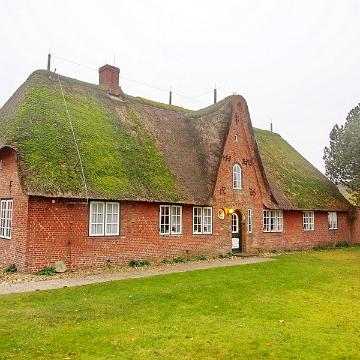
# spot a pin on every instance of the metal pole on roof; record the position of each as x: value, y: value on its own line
x: 48, y: 62
x: 271, y: 126
x: 215, y: 96
x: 170, y: 97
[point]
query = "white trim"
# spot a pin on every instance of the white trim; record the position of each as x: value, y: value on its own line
x: 249, y: 221
x: 166, y: 220
x: 234, y: 224
x: 98, y: 220
x: 237, y: 176
x: 112, y: 223
x: 199, y: 226
x: 272, y: 220
x: 332, y: 220
x: 199, y: 221
x: 6, y: 215
x: 308, y: 221
x: 210, y: 225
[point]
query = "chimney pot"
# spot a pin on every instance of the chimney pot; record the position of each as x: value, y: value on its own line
x: 109, y: 76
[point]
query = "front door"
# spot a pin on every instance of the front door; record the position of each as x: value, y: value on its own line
x: 236, y: 232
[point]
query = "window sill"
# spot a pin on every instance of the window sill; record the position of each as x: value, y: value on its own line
x: 104, y: 236
x: 5, y: 238
x: 171, y: 235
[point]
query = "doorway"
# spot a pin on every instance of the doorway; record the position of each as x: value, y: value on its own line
x: 236, y: 231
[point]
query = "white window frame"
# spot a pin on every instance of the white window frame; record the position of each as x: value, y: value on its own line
x: 6, y: 215
x: 308, y: 220
x: 273, y: 220
x: 170, y: 216
x: 202, y: 220
x: 237, y: 177
x: 249, y: 221
x: 332, y: 220
x: 104, y: 221
x: 235, y: 223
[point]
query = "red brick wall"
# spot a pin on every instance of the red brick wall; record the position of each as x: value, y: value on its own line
x: 355, y: 226
x: 13, y: 250
x: 59, y: 231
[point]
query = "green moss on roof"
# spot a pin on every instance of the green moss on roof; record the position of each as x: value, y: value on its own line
x: 159, y: 104
x: 302, y: 184
x: 120, y: 158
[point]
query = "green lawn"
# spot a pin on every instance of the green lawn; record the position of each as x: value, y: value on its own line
x: 300, y: 306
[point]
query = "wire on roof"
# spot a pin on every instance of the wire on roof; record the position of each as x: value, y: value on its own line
x: 75, y: 141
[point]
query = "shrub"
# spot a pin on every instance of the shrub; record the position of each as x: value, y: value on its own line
x: 167, y: 261
x: 139, y: 263
x: 201, y: 258
x: 179, y: 259
x: 342, y: 244
x: 10, y: 269
x: 226, y: 256
x: 50, y: 271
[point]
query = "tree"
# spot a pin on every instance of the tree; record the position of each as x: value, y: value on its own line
x: 342, y: 157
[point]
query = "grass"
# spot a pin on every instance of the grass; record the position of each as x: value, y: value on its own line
x: 301, y: 306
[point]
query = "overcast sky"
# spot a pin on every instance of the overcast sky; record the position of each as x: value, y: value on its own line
x: 295, y: 62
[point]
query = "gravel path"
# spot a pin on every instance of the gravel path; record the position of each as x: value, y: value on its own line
x: 85, y: 279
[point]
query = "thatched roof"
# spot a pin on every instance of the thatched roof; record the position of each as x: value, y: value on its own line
x: 135, y: 149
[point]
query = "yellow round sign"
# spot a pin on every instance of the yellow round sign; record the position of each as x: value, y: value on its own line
x: 221, y: 214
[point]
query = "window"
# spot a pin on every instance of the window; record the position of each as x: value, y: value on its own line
x: 104, y: 218
x: 236, y: 176
x: 332, y: 220
x: 249, y: 220
x: 234, y: 223
x: 308, y: 220
x: 202, y: 220
x: 170, y: 220
x: 272, y: 221
x: 6, y: 210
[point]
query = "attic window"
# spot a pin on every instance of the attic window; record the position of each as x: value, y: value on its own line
x: 236, y: 137
x: 237, y: 181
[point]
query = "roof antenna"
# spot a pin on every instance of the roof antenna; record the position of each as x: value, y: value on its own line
x: 170, y: 96
x: 49, y: 61
x: 215, y: 95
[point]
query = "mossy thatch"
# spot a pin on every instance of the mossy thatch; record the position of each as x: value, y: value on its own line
x: 295, y: 183
x: 136, y: 149
x: 120, y: 159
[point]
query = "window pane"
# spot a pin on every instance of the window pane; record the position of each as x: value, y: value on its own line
x: 207, y: 214
x: 97, y: 218
x: 236, y: 176
x: 112, y: 219
x: 197, y: 220
x: 164, y: 219
x: 176, y: 219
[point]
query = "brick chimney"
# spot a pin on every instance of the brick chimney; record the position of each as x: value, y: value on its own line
x: 109, y: 76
